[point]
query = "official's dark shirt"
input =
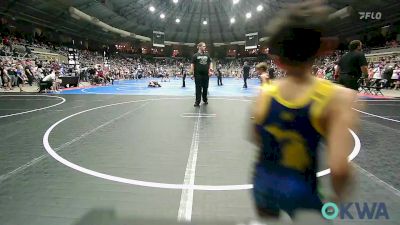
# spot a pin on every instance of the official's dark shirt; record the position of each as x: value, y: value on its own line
x: 11, y: 72
x: 201, y: 64
x: 246, y: 70
x: 271, y: 72
x: 351, y: 63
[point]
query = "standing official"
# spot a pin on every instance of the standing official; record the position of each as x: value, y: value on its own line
x: 183, y: 74
x: 219, y: 74
x: 246, y: 73
x: 201, y: 69
x: 352, y: 66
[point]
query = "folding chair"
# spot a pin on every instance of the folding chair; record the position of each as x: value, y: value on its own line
x: 374, y: 87
x: 363, y: 84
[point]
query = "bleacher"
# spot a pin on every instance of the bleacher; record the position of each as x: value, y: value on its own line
x: 384, y: 50
x: 41, y: 53
x: 378, y: 53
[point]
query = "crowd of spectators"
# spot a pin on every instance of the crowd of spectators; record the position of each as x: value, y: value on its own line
x: 19, y: 72
x: 19, y: 68
x: 384, y: 73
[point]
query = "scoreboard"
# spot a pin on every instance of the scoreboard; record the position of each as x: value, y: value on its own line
x: 251, y: 41
x: 158, y: 39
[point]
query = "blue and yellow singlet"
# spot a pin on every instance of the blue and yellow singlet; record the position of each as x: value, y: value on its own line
x: 290, y: 133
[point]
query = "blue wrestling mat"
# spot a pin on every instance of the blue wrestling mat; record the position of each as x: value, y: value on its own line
x: 231, y: 87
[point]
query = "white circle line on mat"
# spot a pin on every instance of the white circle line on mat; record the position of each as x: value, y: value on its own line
x: 33, y: 110
x: 50, y: 150
x: 378, y: 100
x: 377, y: 116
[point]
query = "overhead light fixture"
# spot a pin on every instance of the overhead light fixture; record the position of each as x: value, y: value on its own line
x: 248, y: 15
x: 152, y: 9
x: 235, y: 2
x: 233, y: 20
x: 175, y: 1
x: 162, y: 16
x: 260, y: 8
x: 177, y: 20
x: 205, y: 22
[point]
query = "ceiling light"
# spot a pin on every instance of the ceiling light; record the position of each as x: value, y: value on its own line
x: 259, y: 8
x: 152, y: 9
x: 233, y: 20
x: 175, y: 1
x: 177, y: 20
x: 205, y: 22
x: 248, y: 15
x: 235, y: 2
x: 162, y: 16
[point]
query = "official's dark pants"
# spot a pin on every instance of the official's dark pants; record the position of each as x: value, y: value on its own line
x: 245, y: 81
x: 201, y: 88
x: 349, y: 81
x: 219, y: 80
x: 183, y: 80
x: 30, y: 79
x: 219, y: 76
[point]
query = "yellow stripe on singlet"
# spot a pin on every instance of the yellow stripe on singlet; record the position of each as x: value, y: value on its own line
x: 273, y: 91
x: 264, y: 102
x: 320, y: 95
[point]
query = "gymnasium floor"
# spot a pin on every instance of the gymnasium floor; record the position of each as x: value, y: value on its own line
x: 128, y: 151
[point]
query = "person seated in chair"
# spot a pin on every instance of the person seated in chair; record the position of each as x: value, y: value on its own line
x: 48, y: 81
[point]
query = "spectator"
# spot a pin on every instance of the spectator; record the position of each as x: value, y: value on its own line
x: 396, y: 77
x: 6, y: 80
x: 352, y: 66
x: 50, y: 79
x: 28, y: 74
x: 377, y: 73
x: 387, y: 75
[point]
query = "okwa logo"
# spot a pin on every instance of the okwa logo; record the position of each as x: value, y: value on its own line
x: 370, y: 15
x: 355, y: 211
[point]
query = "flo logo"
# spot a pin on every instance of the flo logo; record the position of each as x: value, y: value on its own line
x: 355, y: 211
x: 370, y: 15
